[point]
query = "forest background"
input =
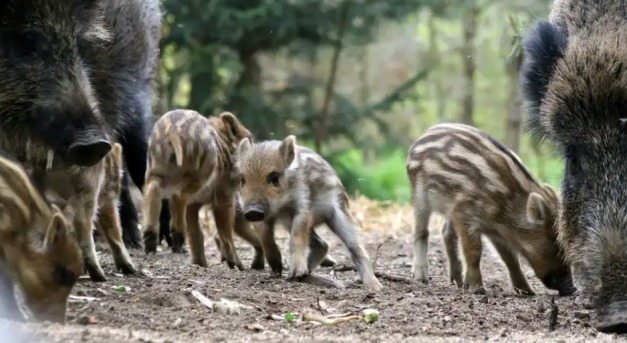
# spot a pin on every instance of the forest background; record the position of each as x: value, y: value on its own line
x: 356, y: 80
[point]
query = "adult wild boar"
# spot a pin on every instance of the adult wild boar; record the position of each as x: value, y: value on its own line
x: 574, y: 80
x: 75, y: 73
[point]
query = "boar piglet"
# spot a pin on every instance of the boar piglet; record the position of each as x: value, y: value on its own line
x: 574, y: 83
x: 38, y: 252
x: 292, y: 185
x: 59, y: 191
x: 190, y: 163
x: 483, y: 188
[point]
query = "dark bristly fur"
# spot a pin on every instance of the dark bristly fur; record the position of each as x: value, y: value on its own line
x: 190, y: 162
x: 76, y: 74
x: 580, y: 105
x: 483, y: 188
x: 284, y: 183
x: 37, y: 249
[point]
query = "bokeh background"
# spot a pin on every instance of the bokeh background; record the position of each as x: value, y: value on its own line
x: 357, y: 80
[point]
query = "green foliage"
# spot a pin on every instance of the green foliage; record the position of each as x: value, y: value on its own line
x: 385, y: 179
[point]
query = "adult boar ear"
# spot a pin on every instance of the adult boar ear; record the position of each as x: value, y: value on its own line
x: 288, y: 149
x: 244, y: 146
x: 536, y: 209
x: 543, y: 46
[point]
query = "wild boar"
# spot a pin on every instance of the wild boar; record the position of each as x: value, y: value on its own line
x: 284, y: 183
x: 76, y: 74
x: 574, y: 82
x: 483, y: 188
x: 37, y: 250
x: 190, y: 163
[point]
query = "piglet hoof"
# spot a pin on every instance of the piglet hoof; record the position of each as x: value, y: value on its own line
x: 201, y: 261
x: 479, y: 291
x: 178, y: 240
x: 328, y: 261
x: 421, y: 279
x: 613, y: 318
x: 567, y: 291
x: 297, y: 271
x: 150, y: 243
x: 127, y: 269
x: 526, y: 292
x: 233, y: 264
x: 276, y: 273
x: 95, y: 272
x: 258, y: 261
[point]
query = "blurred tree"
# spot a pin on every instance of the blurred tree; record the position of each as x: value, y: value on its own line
x: 217, y: 34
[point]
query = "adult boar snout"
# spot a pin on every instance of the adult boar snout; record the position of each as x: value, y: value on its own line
x: 613, y: 318
x: 88, y: 148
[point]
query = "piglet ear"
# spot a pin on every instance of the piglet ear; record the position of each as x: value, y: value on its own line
x: 288, y: 149
x: 244, y: 146
x: 57, y: 228
x: 537, y: 210
x: 231, y: 122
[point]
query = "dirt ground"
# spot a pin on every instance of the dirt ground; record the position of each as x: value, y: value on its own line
x: 159, y: 307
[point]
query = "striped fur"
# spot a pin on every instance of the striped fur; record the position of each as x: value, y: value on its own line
x: 482, y: 188
x: 37, y: 251
x: 285, y: 183
x: 60, y: 191
x: 191, y: 164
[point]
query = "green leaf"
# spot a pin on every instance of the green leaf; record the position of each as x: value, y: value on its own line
x: 289, y: 317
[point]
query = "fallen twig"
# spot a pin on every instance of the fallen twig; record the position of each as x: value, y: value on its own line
x: 310, y: 315
x: 81, y: 298
x: 376, y: 255
x: 385, y: 276
x: 393, y: 278
x: 224, y: 306
x: 553, y: 315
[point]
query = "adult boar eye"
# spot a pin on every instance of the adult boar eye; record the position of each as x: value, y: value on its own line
x: 242, y: 180
x: 274, y: 178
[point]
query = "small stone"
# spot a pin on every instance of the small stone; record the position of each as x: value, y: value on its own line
x: 483, y: 299
x: 87, y: 320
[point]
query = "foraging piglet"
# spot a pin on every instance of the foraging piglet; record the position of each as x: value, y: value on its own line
x: 483, y: 188
x: 37, y: 249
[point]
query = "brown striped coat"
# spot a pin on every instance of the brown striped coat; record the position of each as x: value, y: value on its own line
x: 482, y: 188
x: 190, y: 162
x: 37, y: 249
x: 287, y: 184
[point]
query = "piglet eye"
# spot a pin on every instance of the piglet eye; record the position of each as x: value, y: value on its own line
x: 274, y: 178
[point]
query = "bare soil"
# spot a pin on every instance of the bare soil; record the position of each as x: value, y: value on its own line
x: 159, y: 307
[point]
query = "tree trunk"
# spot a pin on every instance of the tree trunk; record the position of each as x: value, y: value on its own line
x: 514, y: 103
x: 441, y: 99
x: 201, y: 90
x: 325, y: 115
x: 469, y: 65
x: 364, y: 84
